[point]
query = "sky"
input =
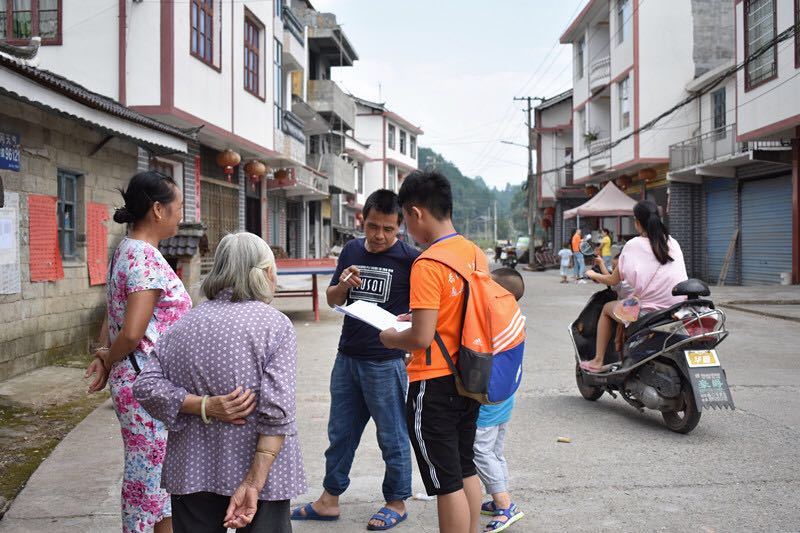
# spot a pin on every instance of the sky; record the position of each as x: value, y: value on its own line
x: 453, y: 67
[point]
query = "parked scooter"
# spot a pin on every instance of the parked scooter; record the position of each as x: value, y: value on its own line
x: 669, y: 361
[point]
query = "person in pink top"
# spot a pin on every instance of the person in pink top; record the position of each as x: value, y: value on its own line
x: 651, y: 264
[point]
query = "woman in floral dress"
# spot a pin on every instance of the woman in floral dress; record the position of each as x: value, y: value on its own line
x: 145, y: 297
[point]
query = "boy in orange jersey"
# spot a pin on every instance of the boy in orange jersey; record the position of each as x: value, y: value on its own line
x: 441, y: 423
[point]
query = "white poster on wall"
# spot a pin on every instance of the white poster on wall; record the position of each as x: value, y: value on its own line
x: 9, y: 245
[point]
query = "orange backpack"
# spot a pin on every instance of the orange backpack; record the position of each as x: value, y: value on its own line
x: 489, y: 367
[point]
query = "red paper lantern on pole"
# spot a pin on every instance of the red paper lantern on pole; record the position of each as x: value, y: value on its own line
x: 228, y: 159
x: 591, y: 190
x: 623, y: 182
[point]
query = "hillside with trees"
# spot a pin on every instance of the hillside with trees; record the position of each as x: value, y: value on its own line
x: 473, y: 201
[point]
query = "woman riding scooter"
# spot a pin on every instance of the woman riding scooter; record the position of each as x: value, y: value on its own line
x: 652, y: 264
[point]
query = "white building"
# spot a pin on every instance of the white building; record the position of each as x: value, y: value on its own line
x: 732, y: 181
x: 553, y: 140
x: 383, y: 152
x: 233, y: 69
x: 631, y: 62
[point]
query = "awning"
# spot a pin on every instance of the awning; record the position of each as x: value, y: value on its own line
x: 609, y: 202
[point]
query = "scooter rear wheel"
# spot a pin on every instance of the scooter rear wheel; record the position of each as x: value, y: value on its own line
x: 587, y: 391
x: 686, y: 420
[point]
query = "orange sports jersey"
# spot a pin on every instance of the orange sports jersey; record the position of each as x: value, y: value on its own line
x: 437, y: 286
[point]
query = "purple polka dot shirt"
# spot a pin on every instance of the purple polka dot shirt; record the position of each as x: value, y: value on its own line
x: 214, y: 348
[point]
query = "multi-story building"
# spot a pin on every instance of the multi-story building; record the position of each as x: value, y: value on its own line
x: 631, y: 63
x: 382, y: 152
x: 734, y: 183
x: 239, y: 72
x: 553, y: 144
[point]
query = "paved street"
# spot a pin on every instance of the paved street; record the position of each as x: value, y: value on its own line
x: 623, y: 471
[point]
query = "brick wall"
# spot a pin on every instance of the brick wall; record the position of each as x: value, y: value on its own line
x: 189, y: 185
x: 51, y: 319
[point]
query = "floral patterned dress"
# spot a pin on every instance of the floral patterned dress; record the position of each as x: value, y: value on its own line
x: 138, y: 266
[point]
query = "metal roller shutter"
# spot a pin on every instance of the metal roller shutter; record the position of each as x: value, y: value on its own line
x: 766, y: 215
x: 720, y: 225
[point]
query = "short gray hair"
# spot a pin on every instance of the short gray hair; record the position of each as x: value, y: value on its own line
x: 239, y: 264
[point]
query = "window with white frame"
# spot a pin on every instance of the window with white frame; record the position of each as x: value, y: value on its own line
x: 580, y: 53
x: 360, y: 179
x: 390, y: 136
x: 623, y: 20
x: 412, y: 147
x: 582, y: 127
x: 402, y: 142
x: 278, y: 83
x: 392, y: 177
x: 624, y: 95
x: 760, y: 49
x: 718, y: 105
x: 278, y: 7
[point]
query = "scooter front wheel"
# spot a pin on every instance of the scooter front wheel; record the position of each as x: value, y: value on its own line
x: 686, y: 420
x: 587, y: 391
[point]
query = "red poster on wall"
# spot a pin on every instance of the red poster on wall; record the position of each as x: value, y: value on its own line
x: 197, y: 188
x: 97, y: 243
x: 45, y: 258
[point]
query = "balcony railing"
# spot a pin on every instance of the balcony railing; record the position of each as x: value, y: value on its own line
x: 292, y: 24
x: 600, y: 73
x: 600, y: 153
x: 293, y: 126
x: 712, y: 146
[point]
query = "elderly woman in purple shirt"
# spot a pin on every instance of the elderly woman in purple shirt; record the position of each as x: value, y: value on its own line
x: 240, y: 474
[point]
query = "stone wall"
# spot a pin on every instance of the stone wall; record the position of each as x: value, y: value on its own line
x: 51, y: 319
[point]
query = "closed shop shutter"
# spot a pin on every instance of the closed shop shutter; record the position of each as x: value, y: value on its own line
x: 766, y: 215
x: 720, y: 225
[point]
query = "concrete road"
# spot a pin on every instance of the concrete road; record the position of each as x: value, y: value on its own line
x: 623, y: 471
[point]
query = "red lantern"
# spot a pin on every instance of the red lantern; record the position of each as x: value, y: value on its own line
x: 623, y: 182
x: 591, y: 190
x: 228, y: 159
x: 549, y: 212
x: 546, y: 223
x: 255, y: 170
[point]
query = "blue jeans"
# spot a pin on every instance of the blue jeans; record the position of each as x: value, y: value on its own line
x: 361, y: 389
x: 580, y: 265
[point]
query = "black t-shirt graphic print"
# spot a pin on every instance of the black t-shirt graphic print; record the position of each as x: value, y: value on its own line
x: 385, y: 282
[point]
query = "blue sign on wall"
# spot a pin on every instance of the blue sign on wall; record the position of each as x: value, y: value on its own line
x: 9, y: 151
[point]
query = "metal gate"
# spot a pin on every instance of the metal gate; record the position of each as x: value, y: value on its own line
x: 220, y: 211
x: 766, y: 215
x: 720, y: 224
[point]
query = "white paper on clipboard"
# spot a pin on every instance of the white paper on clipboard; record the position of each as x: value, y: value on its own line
x: 373, y: 315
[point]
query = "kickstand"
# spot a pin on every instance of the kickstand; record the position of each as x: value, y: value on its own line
x: 612, y: 393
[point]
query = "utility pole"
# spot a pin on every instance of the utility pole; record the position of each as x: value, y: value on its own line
x: 533, y: 188
x: 494, y: 243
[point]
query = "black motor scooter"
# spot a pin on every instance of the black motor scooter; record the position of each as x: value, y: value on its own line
x: 668, y: 363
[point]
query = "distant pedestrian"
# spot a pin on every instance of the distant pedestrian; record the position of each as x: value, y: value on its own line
x: 577, y: 255
x: 490, y: 437
x: 144, y: 298
x: 369, y: 380
x: 565, y: 253
x: 605, y: 247
x: 239, y: 474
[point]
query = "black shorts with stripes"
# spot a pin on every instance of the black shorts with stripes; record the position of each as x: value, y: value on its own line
x: 441, y: 425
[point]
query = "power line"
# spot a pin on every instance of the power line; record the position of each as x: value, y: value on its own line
x: 786, y: 34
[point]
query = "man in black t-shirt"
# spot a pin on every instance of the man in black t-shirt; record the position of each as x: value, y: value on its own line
x: 369, y: 380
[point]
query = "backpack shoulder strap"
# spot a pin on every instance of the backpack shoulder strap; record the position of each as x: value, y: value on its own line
x: 455, y: 261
